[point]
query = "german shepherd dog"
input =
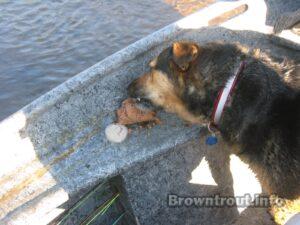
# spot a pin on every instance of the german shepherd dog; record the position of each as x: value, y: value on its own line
x: 261, y: 121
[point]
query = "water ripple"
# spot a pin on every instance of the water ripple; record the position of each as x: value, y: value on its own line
x: 43, y: 42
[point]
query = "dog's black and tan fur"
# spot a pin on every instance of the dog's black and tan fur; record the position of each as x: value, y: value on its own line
x: 262, y: 120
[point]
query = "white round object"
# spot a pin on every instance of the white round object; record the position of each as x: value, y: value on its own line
x: 116, y: 133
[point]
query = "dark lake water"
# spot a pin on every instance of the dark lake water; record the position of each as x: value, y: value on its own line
x: 42, y: 43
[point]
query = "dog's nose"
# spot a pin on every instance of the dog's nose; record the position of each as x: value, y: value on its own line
x: 134, y: 90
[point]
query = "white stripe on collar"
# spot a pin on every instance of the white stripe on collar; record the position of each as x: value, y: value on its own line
x: 224, y: 94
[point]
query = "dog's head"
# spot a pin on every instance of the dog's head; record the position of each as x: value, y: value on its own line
x: 181, y: 80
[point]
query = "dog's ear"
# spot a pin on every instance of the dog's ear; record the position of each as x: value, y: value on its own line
x: 194, y: 51
x: 184, y: 49
x: 177, y: 49
x: 184, y: 53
